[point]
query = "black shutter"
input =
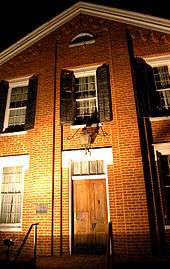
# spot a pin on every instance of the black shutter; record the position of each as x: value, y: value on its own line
x: 148, y: 97
x: 31, y: 105
x: 4, y: 85
x: 104, y: 93
x: 67, y: 102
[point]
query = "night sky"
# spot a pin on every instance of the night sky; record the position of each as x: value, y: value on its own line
x: 18, y: 18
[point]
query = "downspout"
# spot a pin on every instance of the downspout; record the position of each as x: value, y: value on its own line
x: 53, y: 152
x: 146, y: 160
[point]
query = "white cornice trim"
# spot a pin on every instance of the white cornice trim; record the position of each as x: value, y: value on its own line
x: 158, y: 60
x: 109, y: 13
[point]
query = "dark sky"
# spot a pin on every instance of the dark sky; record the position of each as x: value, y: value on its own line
x: 18, y: 18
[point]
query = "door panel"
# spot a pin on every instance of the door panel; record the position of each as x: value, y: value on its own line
x: 90, y: 216
x: 81, y: 215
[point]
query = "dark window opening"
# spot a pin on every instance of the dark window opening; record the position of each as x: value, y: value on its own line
x: 165, y: 185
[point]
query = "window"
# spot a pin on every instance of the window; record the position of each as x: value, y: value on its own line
x: 16, y: 107
x: 11, y: 191
x: 94, y: 167
x: 11, y: 195
x: 165, y: 184
x: 82, y: 39
x: 162, y: 83
x: 162, y: 153
x: 17, y: 97
x: 153, y: 85
x: 85, y: 96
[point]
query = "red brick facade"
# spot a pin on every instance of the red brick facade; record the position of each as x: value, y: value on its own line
x: 46, y: 181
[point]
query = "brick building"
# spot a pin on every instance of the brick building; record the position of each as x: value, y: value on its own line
x: 85, y: 138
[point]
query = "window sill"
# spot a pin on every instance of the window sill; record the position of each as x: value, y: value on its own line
x: 159, y: 118
x: 13, y: 133
x: 85, y: 125
x: 10, y: 229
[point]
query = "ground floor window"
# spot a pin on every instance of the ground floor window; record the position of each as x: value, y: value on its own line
x: 162, y: 154
x: 165, y: 185
x: 11, y: 190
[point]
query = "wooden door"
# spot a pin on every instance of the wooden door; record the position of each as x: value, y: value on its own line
x: 90, y: 216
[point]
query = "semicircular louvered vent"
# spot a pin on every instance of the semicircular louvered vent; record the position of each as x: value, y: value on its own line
x: 82, y: 39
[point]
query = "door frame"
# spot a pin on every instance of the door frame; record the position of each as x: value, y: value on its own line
x: 87, y: 177
x: 68, y: 156
x: 84, y: 178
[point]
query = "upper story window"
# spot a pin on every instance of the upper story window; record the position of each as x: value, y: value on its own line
x: 11, y: 191
x: 17, y: 104
x: 162, y: 82
x: 85, y: 96
x: 17, y: 98
x: 153, y: 85
x: 86, y: 105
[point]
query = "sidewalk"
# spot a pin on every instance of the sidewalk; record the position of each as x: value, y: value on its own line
x: 88, y: 262
x: 100, y: 262
x: 72, y: 262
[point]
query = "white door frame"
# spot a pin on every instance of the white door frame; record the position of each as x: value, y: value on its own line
x: 104, y: 154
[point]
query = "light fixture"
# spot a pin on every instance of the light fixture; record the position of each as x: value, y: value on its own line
x: 85, y: 140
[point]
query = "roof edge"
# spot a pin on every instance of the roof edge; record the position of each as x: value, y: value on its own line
x: 105, y: 12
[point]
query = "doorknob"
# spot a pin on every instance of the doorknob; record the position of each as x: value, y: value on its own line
x: 93, y: 226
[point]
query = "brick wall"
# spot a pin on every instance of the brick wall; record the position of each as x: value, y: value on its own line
x: 46, y: 180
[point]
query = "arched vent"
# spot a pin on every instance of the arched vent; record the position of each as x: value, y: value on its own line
x: 82, y: 39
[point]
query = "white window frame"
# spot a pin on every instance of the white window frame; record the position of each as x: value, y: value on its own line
x: 85, y: 72
x: 164, y: 149
x: 13, y: 161
x: 156, y: 62
x: 19, y: 82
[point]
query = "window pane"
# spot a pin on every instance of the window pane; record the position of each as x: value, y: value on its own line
x: 17, y: 116
x: 85, y: 87
x: 86, y: 107
x: 84, y: 167
x: 11, y: 195
x: 162, y: 77
x: 165, y: 98
x: 19, y: 94
x: 76, y: 168
x: 100, y: 164
x: 93, y: 167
